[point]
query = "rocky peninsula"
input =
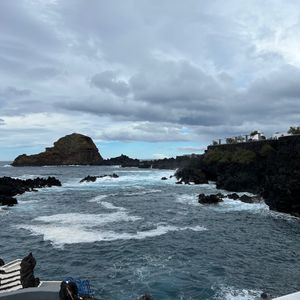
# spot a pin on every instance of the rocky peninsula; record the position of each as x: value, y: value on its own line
x: 73, y: 149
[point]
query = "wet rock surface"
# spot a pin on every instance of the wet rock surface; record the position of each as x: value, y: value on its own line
x: 10, y: 187
x: 209, y: 199
x: 90, y: 178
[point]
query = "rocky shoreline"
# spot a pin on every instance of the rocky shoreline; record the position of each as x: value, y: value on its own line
x: 270, y: 169
x: 11, y: 187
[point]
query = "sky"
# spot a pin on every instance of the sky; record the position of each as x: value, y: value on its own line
x: 146, y: 78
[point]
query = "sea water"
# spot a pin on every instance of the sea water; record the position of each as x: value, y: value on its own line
x: 139, y: 234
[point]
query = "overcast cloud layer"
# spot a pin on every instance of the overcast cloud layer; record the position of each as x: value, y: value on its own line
x: 147, y: 71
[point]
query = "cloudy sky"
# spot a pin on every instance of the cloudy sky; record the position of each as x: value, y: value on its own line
x: 146, y: 78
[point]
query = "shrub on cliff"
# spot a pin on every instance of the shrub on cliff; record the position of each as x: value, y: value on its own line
x: 217, y: 155
x: 266, y: 150
x: 239, y: 155
x: 294, y: 130
x: 243, y: 156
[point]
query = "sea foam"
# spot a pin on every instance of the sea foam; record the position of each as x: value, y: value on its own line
x: 225, y: 292
x: 76, y: 228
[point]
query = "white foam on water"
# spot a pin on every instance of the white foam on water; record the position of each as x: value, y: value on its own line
x: 143, y: 192
x: 108, y: 205
x: 230, y: 293
x: 87, y: 220
x: 27, y: 176
x: 7, y: 166
x: 76, y: 228
x: 236, y: 205
x: 187, y: 199
x: 98, y: 198
x: 4, y: 210
x: 27, y: 201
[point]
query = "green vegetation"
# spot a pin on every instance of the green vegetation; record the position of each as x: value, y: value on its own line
x: 294, y: 130
x: 266, y: 150
x: 253, y: 133
x: 238, y: 155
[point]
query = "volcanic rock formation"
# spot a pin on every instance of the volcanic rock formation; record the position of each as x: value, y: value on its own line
x: 73, y: 149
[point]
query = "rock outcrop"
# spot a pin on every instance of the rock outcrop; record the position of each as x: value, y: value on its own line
x: 90, y: 178
x: 122, y: 160
x: 209, y: 199
x: 268, y: 168
x: 10, y: 187
x: 73, y: 149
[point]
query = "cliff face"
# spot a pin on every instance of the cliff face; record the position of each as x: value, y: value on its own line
x: 73, y: 149
x: 270, y: 168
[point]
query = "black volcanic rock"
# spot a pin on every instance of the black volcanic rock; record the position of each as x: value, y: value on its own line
x: 73, y: 149
x: 269, y: 168
x: 233, y: 196
x: 209, y: 199
x: 191, y: 173
x: 10, y: 187
x: 122, y: 160
x: 90, y: 178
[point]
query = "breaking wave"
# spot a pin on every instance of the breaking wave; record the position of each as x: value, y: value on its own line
x: 230, y: 293
x: 76, y: 228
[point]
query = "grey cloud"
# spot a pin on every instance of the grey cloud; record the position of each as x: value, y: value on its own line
x: 107, y: 80
x: 145, y: 131
x: 2, y: 122
x: 174, y: 92
x: 208, y: 66
x: 12, y: 91
x: 43, y: 72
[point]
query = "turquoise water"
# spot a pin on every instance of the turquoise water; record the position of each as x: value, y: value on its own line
x: 136, y: 234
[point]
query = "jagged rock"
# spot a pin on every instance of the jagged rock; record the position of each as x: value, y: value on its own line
x: 122, y: 160
x: 94, y: 178
x: 7, y: 200
x: 209, y: 199
x: 246, y: 199
x: 164, y: 178
x: 188, y: 175
x: 233, y: 196
x: 73, y: 149
x: 89, y: 179
x: 220, y: 195
x: 10, y: 187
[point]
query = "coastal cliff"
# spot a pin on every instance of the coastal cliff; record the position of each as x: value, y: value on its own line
x: 73, y: 149
x: 270, y: 168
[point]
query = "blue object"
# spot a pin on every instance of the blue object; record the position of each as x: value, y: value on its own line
x: 84, y: 288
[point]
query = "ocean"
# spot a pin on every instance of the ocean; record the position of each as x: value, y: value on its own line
x: 139, y: 234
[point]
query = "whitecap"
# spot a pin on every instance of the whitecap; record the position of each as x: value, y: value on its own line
x: 143, y: 192
x: 109, y: 205
x: 98, y: 198
x: 75, y: 228
x: 7, y: 166
x: 27, y: 201
x: 187, y: 199
x: 230, y: 293
x: 236, y: 205
x: 27, y: 176
x: 87, y: 220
